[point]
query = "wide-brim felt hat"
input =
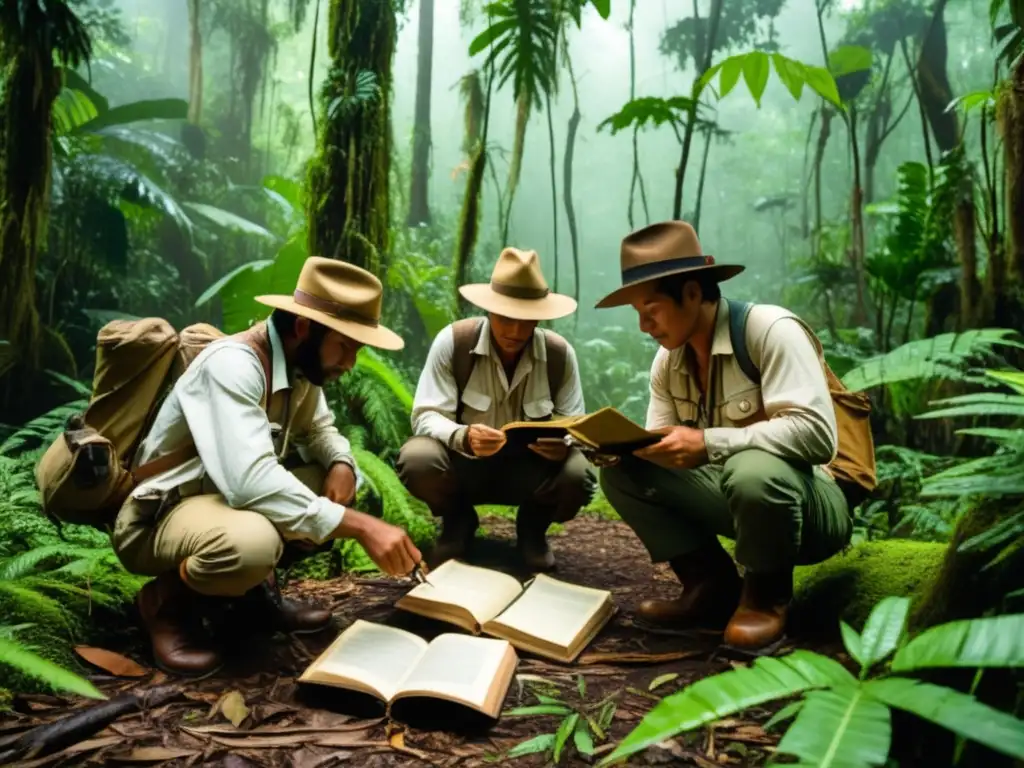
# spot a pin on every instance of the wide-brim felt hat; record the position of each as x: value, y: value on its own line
x: 341, y: 296
x: 518, y: 290
x: 659, y: 250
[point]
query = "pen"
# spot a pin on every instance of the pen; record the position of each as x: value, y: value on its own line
x: 419, y: 573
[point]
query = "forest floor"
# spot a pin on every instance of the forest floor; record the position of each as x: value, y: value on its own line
x: 277, y: 726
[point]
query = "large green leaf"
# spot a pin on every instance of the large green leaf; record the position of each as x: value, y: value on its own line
x: 15, y: 656
x: 279, y: 276
x: 997, y: 641
x: 137, y: 111
x: 977, y: 404
x: 655, y: 110
x: 716, y: 697
x: 755, y: 67
x: 883, y: 630
x: 844, y: 727
x: 222, y: 283
x: 229, y: 220
x: 848, y: 59
x: 958, y: 712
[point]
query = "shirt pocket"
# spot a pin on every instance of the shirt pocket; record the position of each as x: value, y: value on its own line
x: 539, y: 410
x: 474, y: 403
x: 743, y: 408
x: 686, y: 411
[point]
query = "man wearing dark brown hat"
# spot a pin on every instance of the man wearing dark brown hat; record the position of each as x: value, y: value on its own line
x: 751, y: 448
x: 483, y: 373
x: 224, y: 498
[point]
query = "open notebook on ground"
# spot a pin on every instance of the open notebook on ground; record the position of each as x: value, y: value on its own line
x: 607, y: 431
x: 548, y: 617
x: 391, y: 664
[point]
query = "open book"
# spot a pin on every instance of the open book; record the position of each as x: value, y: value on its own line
x: 605, y: 431
x: 391, y: 664
x: 549, y: 617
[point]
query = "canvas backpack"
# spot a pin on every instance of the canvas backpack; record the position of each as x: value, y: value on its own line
x: 466, y: 334
x: 85, y: 475
x: 854, y: 464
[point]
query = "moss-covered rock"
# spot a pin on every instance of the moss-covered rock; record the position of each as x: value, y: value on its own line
x: 849, y: 585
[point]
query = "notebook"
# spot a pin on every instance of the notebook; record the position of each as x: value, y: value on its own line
x: 605, y: 431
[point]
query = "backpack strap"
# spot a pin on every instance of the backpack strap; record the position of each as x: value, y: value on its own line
x: 738, y: 312
x: 254, y: 338
x: 558, y: 352
x: 465, y: 335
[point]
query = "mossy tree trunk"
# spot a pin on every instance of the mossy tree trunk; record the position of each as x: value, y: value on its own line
x: 348, y: 205
x: 419, y: 197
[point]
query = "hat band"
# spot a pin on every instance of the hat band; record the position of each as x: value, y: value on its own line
x: 519, y: 291
x: 333, y: 308
x: 657, y: 268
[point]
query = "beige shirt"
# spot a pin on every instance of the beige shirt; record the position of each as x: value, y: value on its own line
x: 489, y: 398
x: 790, y: 414
x: 218, y: 402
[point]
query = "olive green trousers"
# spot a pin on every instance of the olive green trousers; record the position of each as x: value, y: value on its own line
x: 780, y: 514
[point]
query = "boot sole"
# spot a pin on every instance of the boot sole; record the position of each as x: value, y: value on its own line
x: 754, y: 653
x: 186, y: 675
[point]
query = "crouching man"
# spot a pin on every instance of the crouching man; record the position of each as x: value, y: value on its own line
x: 227, y: 499
x: 483, y: 373
x: 751, y: 448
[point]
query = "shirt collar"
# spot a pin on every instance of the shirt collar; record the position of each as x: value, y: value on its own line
x: 485, y: 346
x: 278, y: 364
x: 721, y: 340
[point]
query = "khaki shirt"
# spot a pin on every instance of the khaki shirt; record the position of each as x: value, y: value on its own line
x: 489, y: 398
x: 790, y: 414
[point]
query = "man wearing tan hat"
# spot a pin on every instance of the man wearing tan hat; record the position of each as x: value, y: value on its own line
x: 230, y: 498
x: 483, y: 373
x: 762, y: 444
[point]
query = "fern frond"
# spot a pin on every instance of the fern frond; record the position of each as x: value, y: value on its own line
x: 946, y: 356
x: 44, y: 428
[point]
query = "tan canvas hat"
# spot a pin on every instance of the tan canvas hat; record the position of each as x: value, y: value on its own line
x: 342, y: 296
x: 518, y: 290
x: 665, y: 248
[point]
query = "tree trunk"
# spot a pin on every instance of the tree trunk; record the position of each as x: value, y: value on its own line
x: 419, y: 196
x: 348, y: 203
x: 567, y: 159
x: 195, y: 64
x: 934, y: 89
x: 1011, y: 126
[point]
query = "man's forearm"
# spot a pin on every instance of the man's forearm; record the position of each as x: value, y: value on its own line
x: 798, y: 437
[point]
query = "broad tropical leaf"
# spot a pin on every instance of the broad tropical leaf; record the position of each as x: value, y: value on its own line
x: 229, y: 220
x: 997, y: 641
x: 715, y: 697
x: 844, y: 727
x: 883, y: 630
x: 958, y: 712
x: 755, y: 70
x: 137, y: 111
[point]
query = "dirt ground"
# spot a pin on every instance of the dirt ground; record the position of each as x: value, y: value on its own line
x: 252, y: 714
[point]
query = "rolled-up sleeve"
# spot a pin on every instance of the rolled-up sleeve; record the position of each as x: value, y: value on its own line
x: 221, y: 404
x: 661, y: 411
x: 801, y: 417
x: 436, y: 398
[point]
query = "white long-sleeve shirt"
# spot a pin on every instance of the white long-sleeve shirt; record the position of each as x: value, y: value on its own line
x: 217, y: 403
x: 489, y: 398
x: 790, y: 414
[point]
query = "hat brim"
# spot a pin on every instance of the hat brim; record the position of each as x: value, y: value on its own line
x: 620, y: 296
x: 371, y: 335
x: 551, y: 307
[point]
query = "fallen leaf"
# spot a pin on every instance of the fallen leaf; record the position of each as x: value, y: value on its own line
x: 634, y: 657
x: 274, y: 741
x: 114, y: 663
x: 397, y: 740
x: 285, y: 730
x: 74, y: 749
x: 232, y: 706
x: 661, y: 680
x: 152, y: 755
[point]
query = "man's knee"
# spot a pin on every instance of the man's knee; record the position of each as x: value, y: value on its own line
x: 757, y: 482
x: 423, y: 465
x: 575, y: 486
x: 232, y: 559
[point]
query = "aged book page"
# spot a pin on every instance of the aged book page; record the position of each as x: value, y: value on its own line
x: 475, y: 671
x: 369, y: 657
x: 462, y: 594
x: 553, y: 617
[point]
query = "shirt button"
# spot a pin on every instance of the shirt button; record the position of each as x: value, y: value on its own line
x: 744, y: 405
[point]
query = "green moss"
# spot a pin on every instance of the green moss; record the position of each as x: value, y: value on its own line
x: 848, y: 586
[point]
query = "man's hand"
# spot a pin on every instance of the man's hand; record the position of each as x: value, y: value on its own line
x: 387, y: 545
x: 680, y: 448
x: 551, y: 448
x: 340, y: 484
x: 484, y: 441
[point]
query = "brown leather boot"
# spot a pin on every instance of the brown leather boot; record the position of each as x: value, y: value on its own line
x: 531, y: 537
x: 172, y: 615
x: 457, y: 532
x: 264, y: 607
x: 760, y: 620
x: 711, y: 591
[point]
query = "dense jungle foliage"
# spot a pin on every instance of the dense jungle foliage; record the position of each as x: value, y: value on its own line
x: 863, y: 158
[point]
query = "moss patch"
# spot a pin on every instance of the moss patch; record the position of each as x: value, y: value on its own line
x: 846, y: 587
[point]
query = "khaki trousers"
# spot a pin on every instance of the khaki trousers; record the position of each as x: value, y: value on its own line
x: 450, y: 483
x: 226, y: 551
x: 780, y: 514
